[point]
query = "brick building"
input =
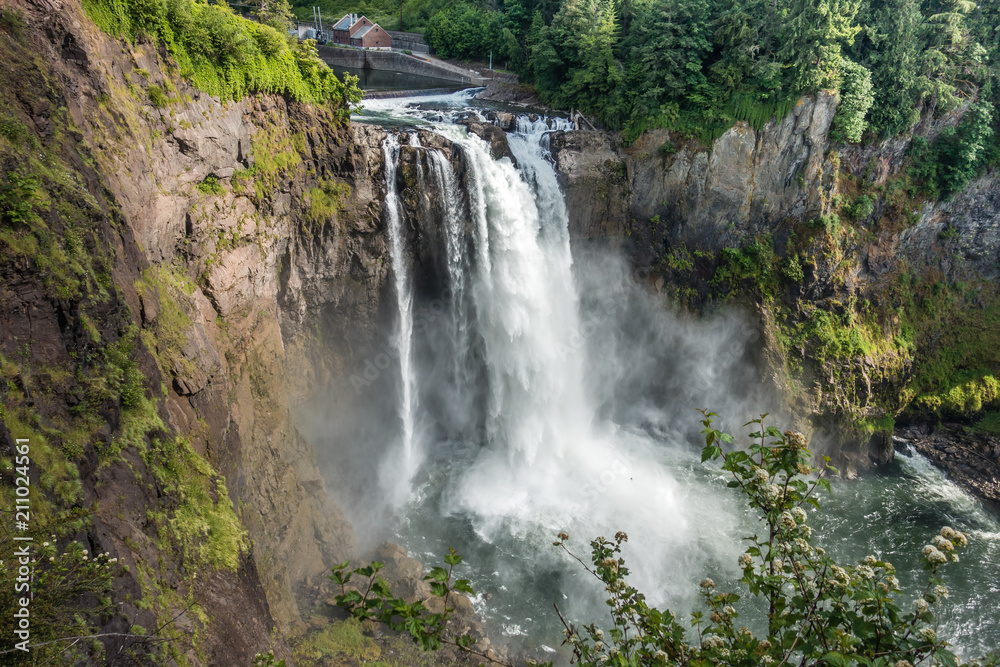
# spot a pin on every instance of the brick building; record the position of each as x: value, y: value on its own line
x: 353, y: 30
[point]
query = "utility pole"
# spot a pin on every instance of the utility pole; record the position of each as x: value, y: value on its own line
x: 491, y: 61
x: 400, y: 15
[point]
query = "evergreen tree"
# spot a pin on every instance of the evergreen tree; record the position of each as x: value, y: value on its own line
x: 587, y: 30
x: 953, y: 61
x: 811, y: 36
x: 891, y: 51
x: 856, y: 98
x: 275, y: 13
x: 668, y: 46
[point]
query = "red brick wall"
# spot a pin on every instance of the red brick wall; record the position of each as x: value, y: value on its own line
x: 377, y: 37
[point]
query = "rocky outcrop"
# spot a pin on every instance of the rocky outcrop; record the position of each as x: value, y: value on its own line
x: 972, y: 460
x: 510, y: 93
x: 491, y: 134
x: 711, y: 197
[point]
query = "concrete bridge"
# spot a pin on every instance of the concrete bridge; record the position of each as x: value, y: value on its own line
x: 394, y: 61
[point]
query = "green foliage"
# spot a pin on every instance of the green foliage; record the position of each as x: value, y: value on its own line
x: 327, y: 201
x: 70, y: 593
x: 266, y: 660
x: 122, y: 370
x: 166, y: 336
x: 856, y: 97
x: 829, y: 223
x: 819, y: 611
x: 211, y: 186
x: 224, y: 54
x: 12, y: 22
x: 203, y: 525
x: 369, y: 598
x: 666, y: 148
x: 463, y: 31
x: 833, y: 336
x: 275, y: 13
x: 157, y: 97
x: 18, y: 197
x: 890, y: 47
x: 956, y: 156
x: 862, y: 208
x: 753, y: 266
x: 811, y: 37
x: 47, y: 216
x: 955, y: 330
x: 793, y: 270
x: 990, y: 423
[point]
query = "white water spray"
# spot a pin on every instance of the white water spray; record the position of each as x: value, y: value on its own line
x: 402, y: 463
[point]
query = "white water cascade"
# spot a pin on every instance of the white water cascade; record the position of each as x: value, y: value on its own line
x: 402, y: 463
x: 527, y: 453
x: 542, y: 391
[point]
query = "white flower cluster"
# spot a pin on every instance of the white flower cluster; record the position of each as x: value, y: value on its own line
x: 959, y: 538
x: 786, y: 521
x: 942, y: 547
x: 772, y: 492
x: 934, y: 555
x: 712, y: 642
x: 745, y: 560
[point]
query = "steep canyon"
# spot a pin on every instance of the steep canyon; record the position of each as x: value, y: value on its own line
x: 199, y: 314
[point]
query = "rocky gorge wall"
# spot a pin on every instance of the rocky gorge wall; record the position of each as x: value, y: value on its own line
x: 874, y: 302
x: 233, y: 253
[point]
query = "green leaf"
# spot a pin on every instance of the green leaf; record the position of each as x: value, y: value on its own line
x: 835, y: 659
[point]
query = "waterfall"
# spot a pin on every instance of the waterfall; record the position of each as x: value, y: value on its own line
x: 401, y: 464
x: 513, y: 412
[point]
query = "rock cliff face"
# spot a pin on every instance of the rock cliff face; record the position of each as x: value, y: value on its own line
x: 826, y: 241
x: 712, y: 198
x: 243, y: 242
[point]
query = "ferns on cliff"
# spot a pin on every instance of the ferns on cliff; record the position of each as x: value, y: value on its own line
x: 224, y: 54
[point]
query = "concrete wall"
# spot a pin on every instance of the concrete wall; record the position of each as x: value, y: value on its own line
x: 412, y: 41
x: 394, y: 62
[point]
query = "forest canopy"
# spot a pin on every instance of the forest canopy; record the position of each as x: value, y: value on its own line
x: 698, y: 66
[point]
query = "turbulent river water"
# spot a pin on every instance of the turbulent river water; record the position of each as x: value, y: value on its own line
x: 541, y: 389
